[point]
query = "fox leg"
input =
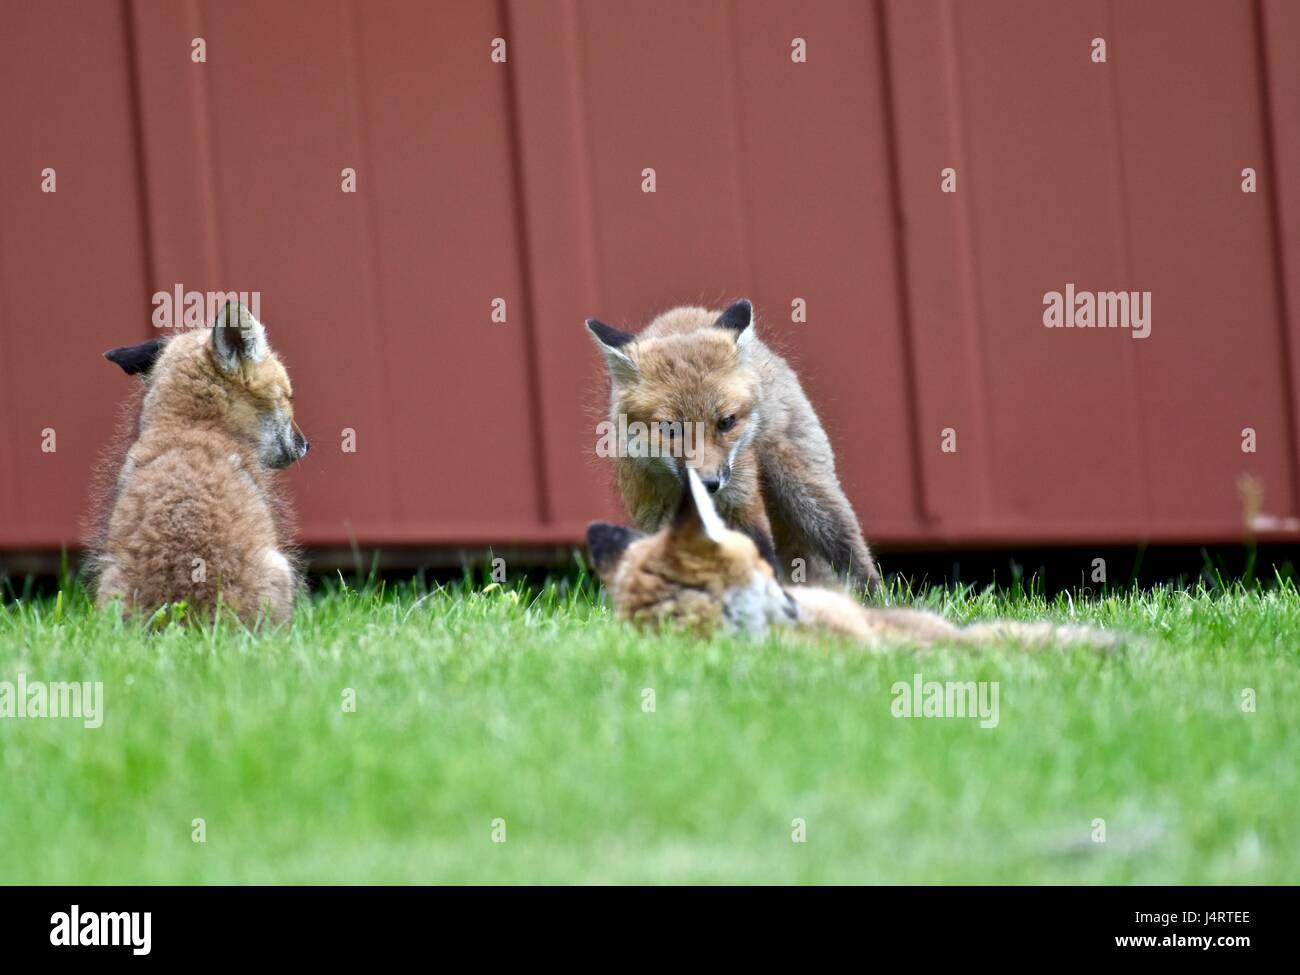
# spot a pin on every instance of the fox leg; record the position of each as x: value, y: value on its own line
x: 277, y: 590
x: 816, y: 522
x: 649, y: 495
x: 746, y: 511
x: 762, y: 537
x: 842, y: 541
x: 111, y: 584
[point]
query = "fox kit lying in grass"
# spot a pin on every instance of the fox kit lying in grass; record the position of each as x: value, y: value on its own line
x: 194, y: 514
x: 764, y: 455
x: 697, y: 573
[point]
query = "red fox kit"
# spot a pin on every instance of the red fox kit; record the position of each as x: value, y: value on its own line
x: 194, y: 513
x: 697, y: 573
x: 763, y: 454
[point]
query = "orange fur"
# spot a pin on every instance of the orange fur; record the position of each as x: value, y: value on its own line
x: 762, y: 440
x: 195, y: 515
x: 697, y: 574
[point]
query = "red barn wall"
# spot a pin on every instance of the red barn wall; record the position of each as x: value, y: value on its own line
x: 776, y: 180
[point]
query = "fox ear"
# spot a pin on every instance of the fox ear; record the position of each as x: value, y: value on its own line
x: 612, y: 342
x: 739, y: 318
x: 696, y: 515
x: 237, y: 337
x: 607, y: 543
x: 136, y: 359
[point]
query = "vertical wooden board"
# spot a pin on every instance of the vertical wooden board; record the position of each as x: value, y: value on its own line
x: 936, y: 244
x: 439, y: 161
x: 1277, y: 38
x: 656, y: 94
x: 546, y: 74
x: 178, y: 156
x: 814, y: 183
x: 243, y: 157
x: 71, y: 281
x: 650, y: 92
x: 282, y: 130
x: 1189, y: 104
x: 1045, y: 176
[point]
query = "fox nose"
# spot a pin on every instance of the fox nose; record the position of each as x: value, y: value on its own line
x: 711, y: 484
x: 301, y: 443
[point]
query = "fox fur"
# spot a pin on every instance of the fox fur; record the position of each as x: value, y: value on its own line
x: 697, y: 574
x: 194, y: 513
x: 764, y: 453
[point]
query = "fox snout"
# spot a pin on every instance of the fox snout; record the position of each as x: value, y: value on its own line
x: 295, y: 450
x: 715, y: 479
x: 300, y: 443
x: 711, y: 462
x: 286, y: 449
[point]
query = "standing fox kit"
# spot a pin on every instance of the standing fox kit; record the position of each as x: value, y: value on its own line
x: 763, y: 454
x: 697, y: 573
x: 194, y: 514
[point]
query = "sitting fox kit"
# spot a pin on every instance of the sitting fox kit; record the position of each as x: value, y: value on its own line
x: 698, y: 574
x: 764, y: 456
x: 194, y: 514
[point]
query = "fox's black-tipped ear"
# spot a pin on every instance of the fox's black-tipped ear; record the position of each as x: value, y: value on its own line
x: 612, y: 342
x: 136, y: 359
x: 738, y: 316
x: 607, y: 543
x: 608, y: 335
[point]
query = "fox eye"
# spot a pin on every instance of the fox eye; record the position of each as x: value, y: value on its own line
x: 726, y: 423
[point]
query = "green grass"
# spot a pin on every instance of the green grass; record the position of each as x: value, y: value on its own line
x: 527, y: 706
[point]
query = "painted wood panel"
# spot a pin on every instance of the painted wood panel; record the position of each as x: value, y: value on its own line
x: 1116, y: 176
x: 71, y: 261
x: 775, y: 179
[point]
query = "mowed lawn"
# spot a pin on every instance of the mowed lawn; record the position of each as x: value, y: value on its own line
x: 495, y: 713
